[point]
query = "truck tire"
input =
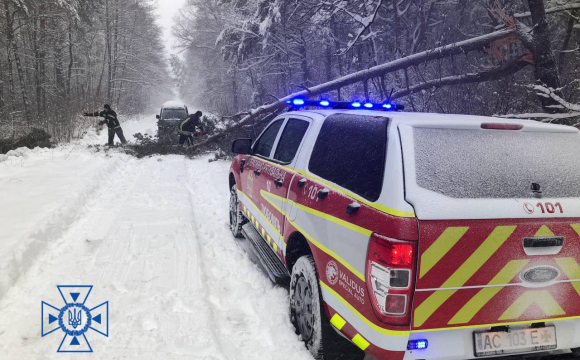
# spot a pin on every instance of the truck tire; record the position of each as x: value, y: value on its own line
x: 309, y: 318
x: 237, y: 219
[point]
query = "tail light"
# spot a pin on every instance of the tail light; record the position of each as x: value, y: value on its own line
x: 390, y: 266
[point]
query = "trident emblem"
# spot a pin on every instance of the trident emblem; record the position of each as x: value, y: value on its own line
x: 74, y: 319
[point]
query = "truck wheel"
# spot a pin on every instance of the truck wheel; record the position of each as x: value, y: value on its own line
x: 309, y: 318
x: 236, y: 217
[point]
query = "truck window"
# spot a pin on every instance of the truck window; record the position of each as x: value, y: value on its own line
x: 290, y: 140
x: 497, y: 164
x: 350, y: 151
x: 173, y: 114
x: 264, y: 144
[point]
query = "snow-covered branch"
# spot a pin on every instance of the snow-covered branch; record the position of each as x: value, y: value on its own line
x: 552, y: 10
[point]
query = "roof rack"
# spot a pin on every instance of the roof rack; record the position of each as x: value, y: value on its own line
x: 298, y: 103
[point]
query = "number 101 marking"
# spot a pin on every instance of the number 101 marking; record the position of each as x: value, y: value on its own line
x: 550, y: 208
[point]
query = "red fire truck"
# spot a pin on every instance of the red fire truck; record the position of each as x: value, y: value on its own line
x: 415, y: 236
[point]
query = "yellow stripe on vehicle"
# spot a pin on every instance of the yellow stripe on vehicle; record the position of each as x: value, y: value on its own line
x: 544, y: 231
x: 361, y: 317
x: 337, y: 321
x: 264, y: 216
x: 328, y: 251
x: 381, y: 208
x: 576, y: 228
x: 317, y: 213
x: 360, y: 342
x: 265, y: 195
x: 542, y: 298
x: 571, y: 269
x: 496, y: 239
x: 476, y: 303
x: 503, y: 323
x: 440, y: 248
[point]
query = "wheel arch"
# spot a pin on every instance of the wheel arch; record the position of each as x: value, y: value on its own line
x: 296, y: 247
x: 232, y: 180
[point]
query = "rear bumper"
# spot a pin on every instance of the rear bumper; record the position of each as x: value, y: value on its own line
x: 458, y: 343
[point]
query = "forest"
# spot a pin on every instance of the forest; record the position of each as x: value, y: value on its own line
x: 486, y: 57
x: 61, y: 57
x: 240, y: 59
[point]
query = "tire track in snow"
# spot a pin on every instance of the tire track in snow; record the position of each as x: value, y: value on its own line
x: 251, y: 313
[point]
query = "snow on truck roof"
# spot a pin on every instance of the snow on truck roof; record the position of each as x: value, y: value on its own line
x: 173, y: 104
x: 438, y: 119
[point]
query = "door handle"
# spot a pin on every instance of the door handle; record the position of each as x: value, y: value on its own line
x: 543, y: 245
x: 242, y: 163
x: 257, y: 172
x: 278, y: 183
x: 301, y: 183
x: 322, y: 194
x: 353, y: 208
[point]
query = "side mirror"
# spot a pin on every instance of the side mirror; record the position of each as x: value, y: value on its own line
x: 158, y: 117
x: 242, y: 146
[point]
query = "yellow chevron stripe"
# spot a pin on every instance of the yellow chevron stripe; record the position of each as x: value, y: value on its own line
x: 542, y: 298
x: 544, y: 231
x: 496, y: 239
x: 440, y: 248
x: 476, y: 303
x: 572, y: 271
x: 403, y: 333
x: 576, y: 228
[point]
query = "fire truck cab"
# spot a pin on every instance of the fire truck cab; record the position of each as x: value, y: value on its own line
x: 415, y: 236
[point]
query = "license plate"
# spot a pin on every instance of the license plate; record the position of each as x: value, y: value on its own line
x: 514, y: 341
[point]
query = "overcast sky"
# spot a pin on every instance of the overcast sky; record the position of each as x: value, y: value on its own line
x: 167, y: 9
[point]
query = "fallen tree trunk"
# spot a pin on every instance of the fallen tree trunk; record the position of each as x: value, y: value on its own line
x: 461, y: 47
x: 487, y: 75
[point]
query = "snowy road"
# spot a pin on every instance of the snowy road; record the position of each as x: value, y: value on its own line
x: 152, y: 237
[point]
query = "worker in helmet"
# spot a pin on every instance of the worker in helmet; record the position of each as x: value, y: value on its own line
x: 190, y: 127
x: 110, y: 118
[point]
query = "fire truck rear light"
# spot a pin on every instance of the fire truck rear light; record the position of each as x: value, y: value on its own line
x: 396, y: 304
x: 417, y: 345
x: 400, y: 278
x: 402, y: 254
x: 390, y: 252
x: 496, y: 126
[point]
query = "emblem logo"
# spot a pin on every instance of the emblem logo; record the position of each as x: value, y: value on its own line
x: 75, y: 319
x: 540, y: 274
x: 332, y: 272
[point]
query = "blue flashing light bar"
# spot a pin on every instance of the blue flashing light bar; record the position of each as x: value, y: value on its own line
x: 417, y: 345
x: 357, y: 105
x: 298, y: 102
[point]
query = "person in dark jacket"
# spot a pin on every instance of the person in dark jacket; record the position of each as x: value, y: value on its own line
x: 187, y: 128
x: 110, y: 118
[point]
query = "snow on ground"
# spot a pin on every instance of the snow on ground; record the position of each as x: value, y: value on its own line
x: 152, y: 236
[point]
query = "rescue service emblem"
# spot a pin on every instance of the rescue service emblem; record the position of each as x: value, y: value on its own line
x: 332, y: 272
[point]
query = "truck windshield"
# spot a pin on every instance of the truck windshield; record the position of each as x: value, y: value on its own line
x: 173, y: 114
x: 497, y: 164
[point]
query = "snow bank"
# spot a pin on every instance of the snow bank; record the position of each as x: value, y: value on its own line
x: 42, y: 192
